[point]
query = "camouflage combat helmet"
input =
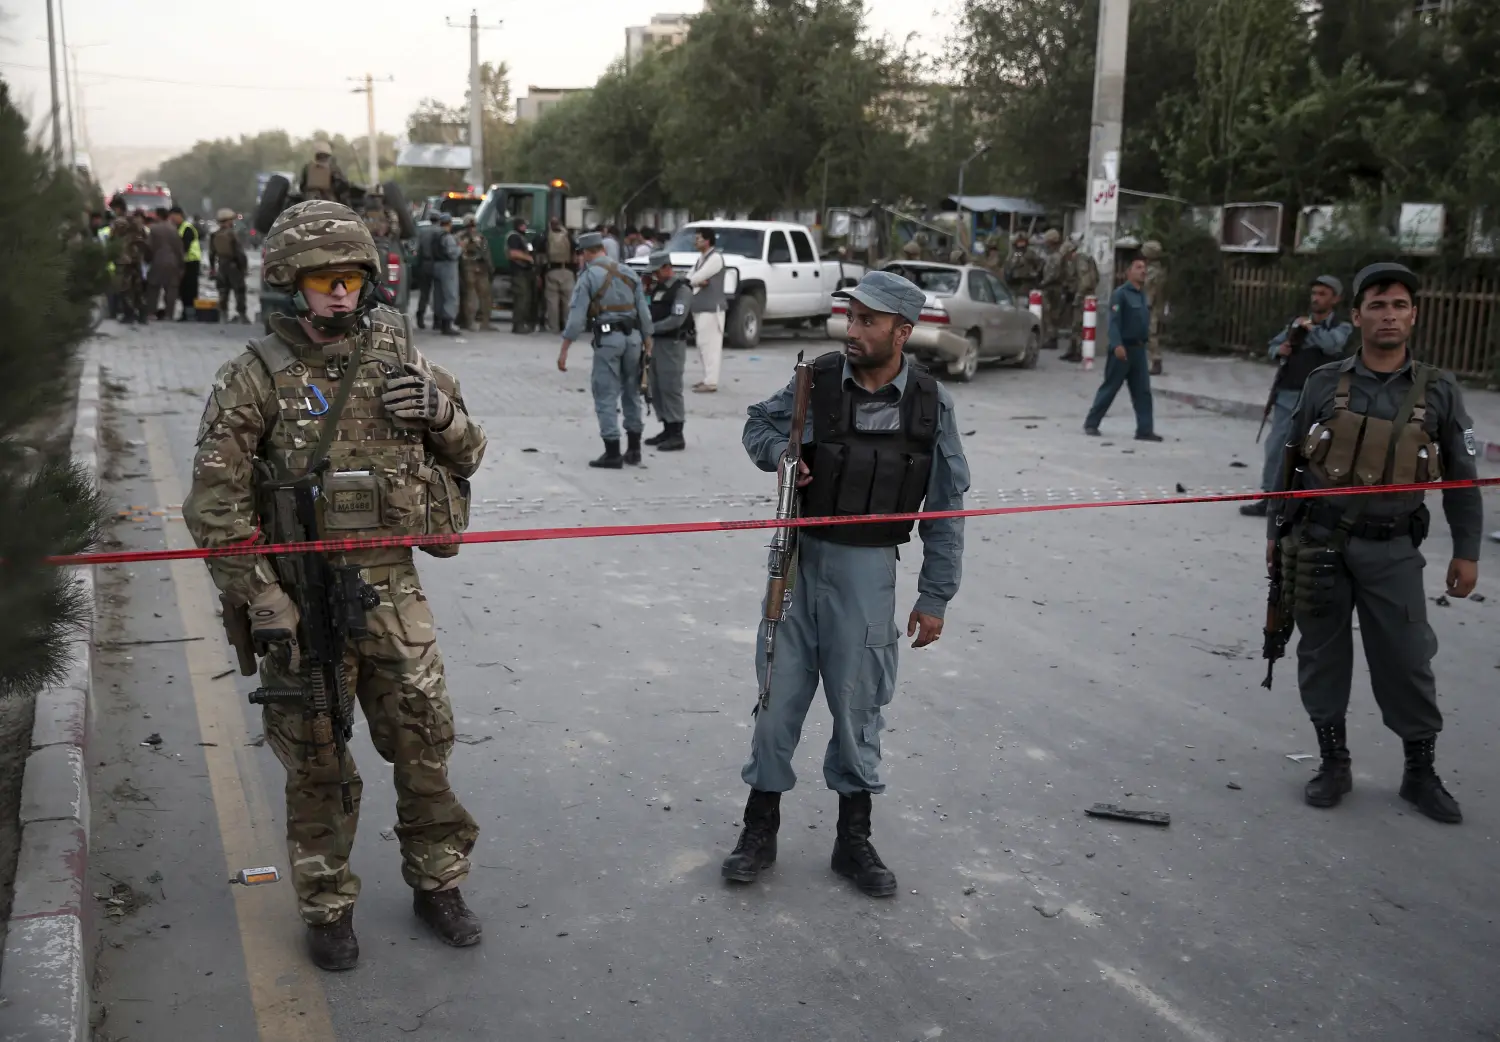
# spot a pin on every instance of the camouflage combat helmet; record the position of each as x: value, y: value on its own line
x: 1151, y: 249
x: 317, y: 234
x: 1053, y: 237
x: 224, y: 214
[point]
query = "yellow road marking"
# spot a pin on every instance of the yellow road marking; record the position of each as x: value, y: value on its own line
x: 288, y: 997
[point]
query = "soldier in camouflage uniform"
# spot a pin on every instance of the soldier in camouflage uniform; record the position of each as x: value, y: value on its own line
x: 1068, y: 300
x: 1023, y: 268
x: 406, y: 432
x: 1084, y: 277
x: 1053, y: 272
x: 127, y: 252
x: 1156, y: 284
x: 475, y: 269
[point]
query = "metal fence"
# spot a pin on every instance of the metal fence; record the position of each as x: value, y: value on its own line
x: 1458, y: 314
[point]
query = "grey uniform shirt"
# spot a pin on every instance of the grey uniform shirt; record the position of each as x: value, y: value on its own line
x: 765, y: 436
x: 622, y: 290
x: 1381, y: 395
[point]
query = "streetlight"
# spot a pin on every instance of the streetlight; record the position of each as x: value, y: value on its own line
x: 983, y: 148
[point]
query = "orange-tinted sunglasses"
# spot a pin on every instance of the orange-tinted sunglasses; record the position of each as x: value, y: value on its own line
x: 324, y: 281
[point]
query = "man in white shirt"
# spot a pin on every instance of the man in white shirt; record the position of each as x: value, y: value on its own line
x: 707, y: 280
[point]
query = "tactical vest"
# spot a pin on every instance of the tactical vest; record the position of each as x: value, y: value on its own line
x: 611, y: 312
x: 869, y: 456
x: 222, y: 244
x: 194, y: 253
x: 1350, y: 448
x: 559, y: 248
x: 1300, y: 364
x: 381, y: 479
x: 318, y: 178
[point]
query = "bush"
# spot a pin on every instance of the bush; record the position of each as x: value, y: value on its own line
x: 50, y: 270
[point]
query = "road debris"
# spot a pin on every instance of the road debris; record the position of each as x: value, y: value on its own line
x: 256, y: 876
x: 1143, y: 817
x: 153, y: 740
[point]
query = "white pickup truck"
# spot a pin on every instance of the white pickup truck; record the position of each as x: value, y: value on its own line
x: 773, y: 274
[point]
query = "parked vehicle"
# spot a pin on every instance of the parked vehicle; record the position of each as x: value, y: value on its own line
x: 970, y: 318
x: 496, y: 218
x: 776, y: 275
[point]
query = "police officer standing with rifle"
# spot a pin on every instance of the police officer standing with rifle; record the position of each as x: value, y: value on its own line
x: 334, y: 426
x: 878, y: 435
x: 608, y: 302
x: 1377, y: 418
x: 671, y: 322
x: 1308, y: 342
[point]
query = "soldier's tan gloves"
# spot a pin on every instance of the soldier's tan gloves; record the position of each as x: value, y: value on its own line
x: 273, y: 618
x: 417, y: 397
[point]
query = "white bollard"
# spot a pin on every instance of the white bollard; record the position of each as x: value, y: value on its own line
x: 1034, y: 303
x: 1090, y: 326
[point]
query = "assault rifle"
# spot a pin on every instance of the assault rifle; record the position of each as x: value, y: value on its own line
x: 783, y: 563
x: 1279, y: 617
x: 1295, y: 335
x: 332, y: 600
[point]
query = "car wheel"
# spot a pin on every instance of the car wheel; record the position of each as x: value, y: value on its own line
x: 967, y: 365
x: 1033, y: 351
x: 395, y: 199
x: 743, y: 327
x: 273, y: 199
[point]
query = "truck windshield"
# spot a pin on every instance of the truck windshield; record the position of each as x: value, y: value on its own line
x: 742, y: 242
x: 941, y: 282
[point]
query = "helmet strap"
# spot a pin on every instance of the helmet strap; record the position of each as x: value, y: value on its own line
x: 340, y: 323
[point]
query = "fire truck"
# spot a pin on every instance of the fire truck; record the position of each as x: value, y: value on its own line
x: 146, y: 195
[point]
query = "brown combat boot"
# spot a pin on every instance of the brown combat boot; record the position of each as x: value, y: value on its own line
x: 333, y: 946
x: 446, y: 915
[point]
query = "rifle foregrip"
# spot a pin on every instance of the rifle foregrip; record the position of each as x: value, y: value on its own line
x: 775, y: 600
x: 263, y: 696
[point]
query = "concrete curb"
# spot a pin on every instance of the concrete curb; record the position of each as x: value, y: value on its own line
x: 1489, y: 451
x: 44, y: 995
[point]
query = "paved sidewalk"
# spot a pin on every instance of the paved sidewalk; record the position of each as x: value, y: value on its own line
x: 1238, y: 387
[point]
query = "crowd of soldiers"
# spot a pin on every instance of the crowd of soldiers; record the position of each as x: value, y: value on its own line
x: 155, y: 257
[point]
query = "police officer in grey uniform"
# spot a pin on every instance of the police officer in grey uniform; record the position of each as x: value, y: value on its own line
x: 671, y: 320
x: 608, y: 302
x: 1378, y: 417
x: 873, y: 416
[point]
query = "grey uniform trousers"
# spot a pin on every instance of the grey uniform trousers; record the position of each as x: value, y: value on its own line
x: 668, y: 362
x: 1278, y: 433
x: 1383, y: 582
x: 841, y: 627
x: 616, y: 382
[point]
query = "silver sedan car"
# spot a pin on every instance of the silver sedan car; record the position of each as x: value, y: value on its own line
x: 969, y: 319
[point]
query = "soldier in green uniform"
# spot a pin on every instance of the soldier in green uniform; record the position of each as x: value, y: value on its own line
x: 1023, y: 268
x: 1054, y: 275
x: 403, y: 440
x: 475, y: 269
x: 1378, y: 417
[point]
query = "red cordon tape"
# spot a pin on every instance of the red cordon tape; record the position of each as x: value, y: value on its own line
x: 527, y: 535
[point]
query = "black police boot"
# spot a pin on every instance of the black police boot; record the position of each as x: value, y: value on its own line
x: 853, y: 856
x: 1334, y: 778
x: 333, y: 946
x: 657, y: 439
x: 446, y: 915
x: 421, y: 321
x: 756, y: 849
x: 674, y: 441
x: 611, y: 460
x: 633, y: 448
x: 1260, y: 508
x: 1421, y: 786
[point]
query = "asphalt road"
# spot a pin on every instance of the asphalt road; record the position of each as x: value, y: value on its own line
x: 603, y: 690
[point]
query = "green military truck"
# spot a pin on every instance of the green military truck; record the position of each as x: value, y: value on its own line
x: 496, y: 219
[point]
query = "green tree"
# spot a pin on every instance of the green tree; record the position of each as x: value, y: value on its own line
x: 49, y: 272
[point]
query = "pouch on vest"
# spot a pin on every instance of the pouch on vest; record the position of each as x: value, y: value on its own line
x: 319, y: 177
x: 351, y: 501
x: 447, y: 506
x: 1369, y: 460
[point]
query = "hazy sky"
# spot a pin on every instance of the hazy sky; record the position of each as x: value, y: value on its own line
x: 237, y: 71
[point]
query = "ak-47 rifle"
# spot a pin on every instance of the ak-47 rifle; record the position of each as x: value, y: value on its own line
x: 1295, y: 335
x: 1279, y: 617
x: 783, y: 563
x: 332, y: 600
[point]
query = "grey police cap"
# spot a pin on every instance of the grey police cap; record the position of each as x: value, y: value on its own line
x: 590, y: 241
x: 445, y: 218
x: 1331, y: 282
x: 1385, y: 271
x: 659, y: 259
x: 888, y: 292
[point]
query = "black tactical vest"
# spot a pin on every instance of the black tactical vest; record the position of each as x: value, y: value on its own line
x: 870, y: 454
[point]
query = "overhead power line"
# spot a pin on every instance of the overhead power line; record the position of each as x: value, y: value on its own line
x: 184, y: 83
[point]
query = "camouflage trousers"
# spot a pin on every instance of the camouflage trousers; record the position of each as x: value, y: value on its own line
x: 1153, y: 347
x: 397, y: 675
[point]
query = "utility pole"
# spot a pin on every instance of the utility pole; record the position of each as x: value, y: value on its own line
x: 372, y: 148
x: 1103, y: 200
x: 476, y: 174
x: 62, y: 25
x: 52, y: 67
x: 963, y: 225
